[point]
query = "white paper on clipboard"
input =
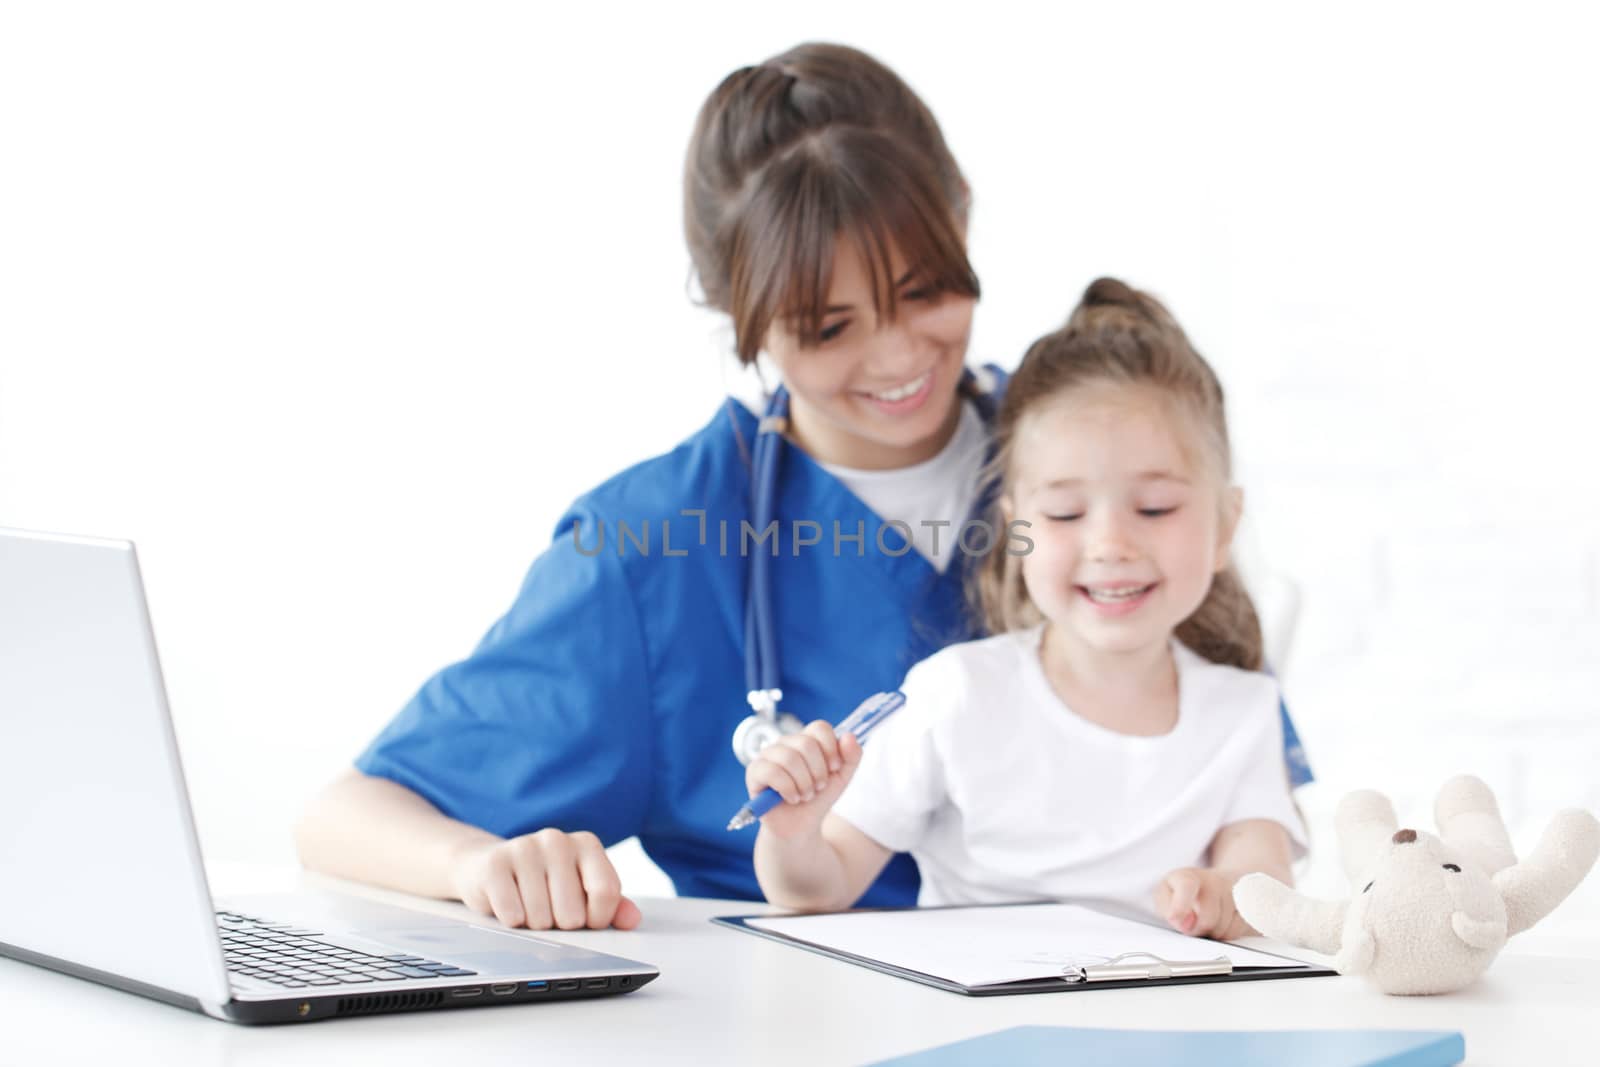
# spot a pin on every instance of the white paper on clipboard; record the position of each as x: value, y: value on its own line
x: 986, y: 946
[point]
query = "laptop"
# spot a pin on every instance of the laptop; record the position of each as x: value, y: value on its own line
x: 100, y: 869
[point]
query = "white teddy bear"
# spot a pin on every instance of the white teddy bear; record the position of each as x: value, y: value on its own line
x: 1429, y: 913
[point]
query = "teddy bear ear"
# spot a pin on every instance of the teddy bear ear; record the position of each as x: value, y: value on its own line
x: 1366, y: 822
x: 1357, y: 955
x: 1485, y: 934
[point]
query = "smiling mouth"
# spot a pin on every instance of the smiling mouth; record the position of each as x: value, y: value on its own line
x: 911, y: 388
x: 1118, y: 595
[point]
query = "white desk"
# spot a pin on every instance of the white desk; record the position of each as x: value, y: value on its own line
x: 728, y: 997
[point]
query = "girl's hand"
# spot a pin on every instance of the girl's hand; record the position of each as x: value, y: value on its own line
x: 543, y: 880
x: 1199, y: 901
x: 809, y: 770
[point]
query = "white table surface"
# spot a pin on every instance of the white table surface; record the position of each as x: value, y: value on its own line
x: 729, y: 997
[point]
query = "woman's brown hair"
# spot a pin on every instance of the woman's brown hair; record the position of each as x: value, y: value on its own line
x: 1122, y: 336
x: 788, y: 155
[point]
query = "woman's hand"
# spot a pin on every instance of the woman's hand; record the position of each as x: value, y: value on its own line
x: 543, y: 880
x: 1199, y: 901
x: 809, y: 770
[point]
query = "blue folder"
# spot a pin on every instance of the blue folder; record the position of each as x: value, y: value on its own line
x: 1053, y: 1046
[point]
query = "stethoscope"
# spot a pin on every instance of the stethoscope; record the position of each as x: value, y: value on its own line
x: 763, y: 676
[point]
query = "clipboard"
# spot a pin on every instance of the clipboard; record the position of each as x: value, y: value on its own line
x: 1133, y: 969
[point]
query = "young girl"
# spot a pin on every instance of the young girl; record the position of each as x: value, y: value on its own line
x: 1115, y: 738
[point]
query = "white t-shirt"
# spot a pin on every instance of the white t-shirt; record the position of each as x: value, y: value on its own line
x: 1001, y: 793
x: 941, y: 489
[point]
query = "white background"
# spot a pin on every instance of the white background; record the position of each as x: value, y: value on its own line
x: 334, y: 307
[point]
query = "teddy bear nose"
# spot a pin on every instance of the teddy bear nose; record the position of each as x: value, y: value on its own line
x: 1404, y: 837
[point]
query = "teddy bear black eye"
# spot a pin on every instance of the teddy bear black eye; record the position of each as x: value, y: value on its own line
x: 1368, y: 886
x: 1452, y: 867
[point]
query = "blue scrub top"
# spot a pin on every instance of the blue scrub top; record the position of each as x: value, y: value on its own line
x: 607, y: 696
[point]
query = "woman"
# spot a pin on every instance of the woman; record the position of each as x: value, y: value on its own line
x: 826, y: 216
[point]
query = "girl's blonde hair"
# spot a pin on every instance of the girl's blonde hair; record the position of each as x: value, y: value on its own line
x: 1121, y: 336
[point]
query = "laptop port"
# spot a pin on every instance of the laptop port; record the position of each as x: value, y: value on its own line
x: 567, y: 986
x: 503, y: 990
x: 596, y: 983
x: 538, y: 987
x: 476, y: 991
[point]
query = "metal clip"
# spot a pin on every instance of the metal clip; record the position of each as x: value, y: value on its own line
x: 1114, y: 970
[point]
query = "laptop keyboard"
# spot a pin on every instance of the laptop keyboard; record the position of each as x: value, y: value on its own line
x: 296, y: 958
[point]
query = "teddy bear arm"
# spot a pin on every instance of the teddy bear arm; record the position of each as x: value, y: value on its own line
x: 1565, y: 853
x: 1275, y: 910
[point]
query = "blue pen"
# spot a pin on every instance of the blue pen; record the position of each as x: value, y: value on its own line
x: 861, y: 722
